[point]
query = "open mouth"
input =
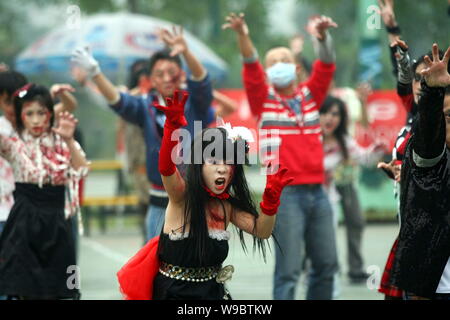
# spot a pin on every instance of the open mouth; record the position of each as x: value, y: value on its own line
x: 220, y: 183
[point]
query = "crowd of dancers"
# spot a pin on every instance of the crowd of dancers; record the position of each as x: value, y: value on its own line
x: 311, y: 165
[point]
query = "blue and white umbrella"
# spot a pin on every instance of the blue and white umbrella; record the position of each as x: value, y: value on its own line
x: 116, y: 40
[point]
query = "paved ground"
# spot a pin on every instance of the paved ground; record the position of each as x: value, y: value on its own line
x: 101, y: 256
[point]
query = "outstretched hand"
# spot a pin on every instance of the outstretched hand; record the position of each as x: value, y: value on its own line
x: 236, y: 23
x: 318, y: 25
x: 436, y: 71
x: 175, y: 40
x: 83, y: 58
x: 276, y: 182
x: 272, y: 193
x: 363, y: 91
x: 59, y: 88
x: 174, y: 109
x: 391, y: 169
x: 66, y: 125
x: 387, y: 12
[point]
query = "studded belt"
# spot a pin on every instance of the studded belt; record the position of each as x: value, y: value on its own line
x: 196, y: 274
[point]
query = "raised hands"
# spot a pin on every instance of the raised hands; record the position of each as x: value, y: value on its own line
x: 391, y: 169
x: 66, y: 125
x: 318, y: 25
x: 387, y: 12
x: 274, y: 186
x: 436, y: 71
x: 175, y: 40
x: 60, y: 88
x: 296, y: 44
x: 83, y: 58
x: 174, y: 109
x: 236, y: 23
x: 363, y: 91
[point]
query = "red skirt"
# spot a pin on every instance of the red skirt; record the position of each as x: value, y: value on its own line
x: 385, y: 286
x: 137, y: 275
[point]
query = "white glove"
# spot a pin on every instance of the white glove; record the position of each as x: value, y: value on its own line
x: 84, y: 59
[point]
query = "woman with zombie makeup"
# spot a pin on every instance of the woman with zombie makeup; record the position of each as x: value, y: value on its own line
x: 186, y: 260
x: 342, y: 154
x: 37, y: 245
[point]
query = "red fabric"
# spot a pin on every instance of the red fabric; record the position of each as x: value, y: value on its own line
x: 385, y: 286
x: 137, y: 275
x: 175, y: 119
x: 166, y: 166
x: 222, y: 196
x: 274, y: 186
x: 402, y: 148
x: 81, y: 192
x: 305, y: 137
x: 407, y: 101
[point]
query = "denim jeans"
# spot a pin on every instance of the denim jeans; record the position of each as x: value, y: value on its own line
x: 304, y: 223
x: 154, y: 221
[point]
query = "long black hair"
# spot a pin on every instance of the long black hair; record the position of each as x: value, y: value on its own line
x: 341, y: 131
x: 196, y: 196
x: 29, y: 93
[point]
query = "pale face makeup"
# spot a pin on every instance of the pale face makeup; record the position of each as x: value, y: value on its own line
x: 166, y: 77
x: 330, y: 120
x: 35, y: 118
x: 217, y: 175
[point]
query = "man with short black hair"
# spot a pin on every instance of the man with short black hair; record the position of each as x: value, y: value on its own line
x: 166, y: 76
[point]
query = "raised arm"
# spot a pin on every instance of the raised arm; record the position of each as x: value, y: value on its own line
x: 199, y: 83
x: 84, y: 59
x: 263, y: 226
x: 254, y: 77
x: 66, y: 129
x: 388, y: 15
x: 323, y: 68
x: 429, y: 138
x: 363, y: 91
x: 130, y: 108
x: 67, y: 102
x: 173, y: 182
x: 178, y: 44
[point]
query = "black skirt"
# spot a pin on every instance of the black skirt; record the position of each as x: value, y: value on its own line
x: 37, y: 253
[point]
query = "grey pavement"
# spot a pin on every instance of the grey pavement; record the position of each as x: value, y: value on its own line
x: 102, y: 255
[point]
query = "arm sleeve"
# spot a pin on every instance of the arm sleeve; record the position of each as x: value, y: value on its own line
x: 131, y: 108
x: 392, y: 51
x: 200, y: 93
x: 429, y: 135
x: 255, y: 85
x: 324, y: 50
x: 320, y: 79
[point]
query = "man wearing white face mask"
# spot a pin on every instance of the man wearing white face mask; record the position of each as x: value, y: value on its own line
x: 305, y: 217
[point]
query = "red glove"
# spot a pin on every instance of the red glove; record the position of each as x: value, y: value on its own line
x: 274, y: 186
x: 175, y: 119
